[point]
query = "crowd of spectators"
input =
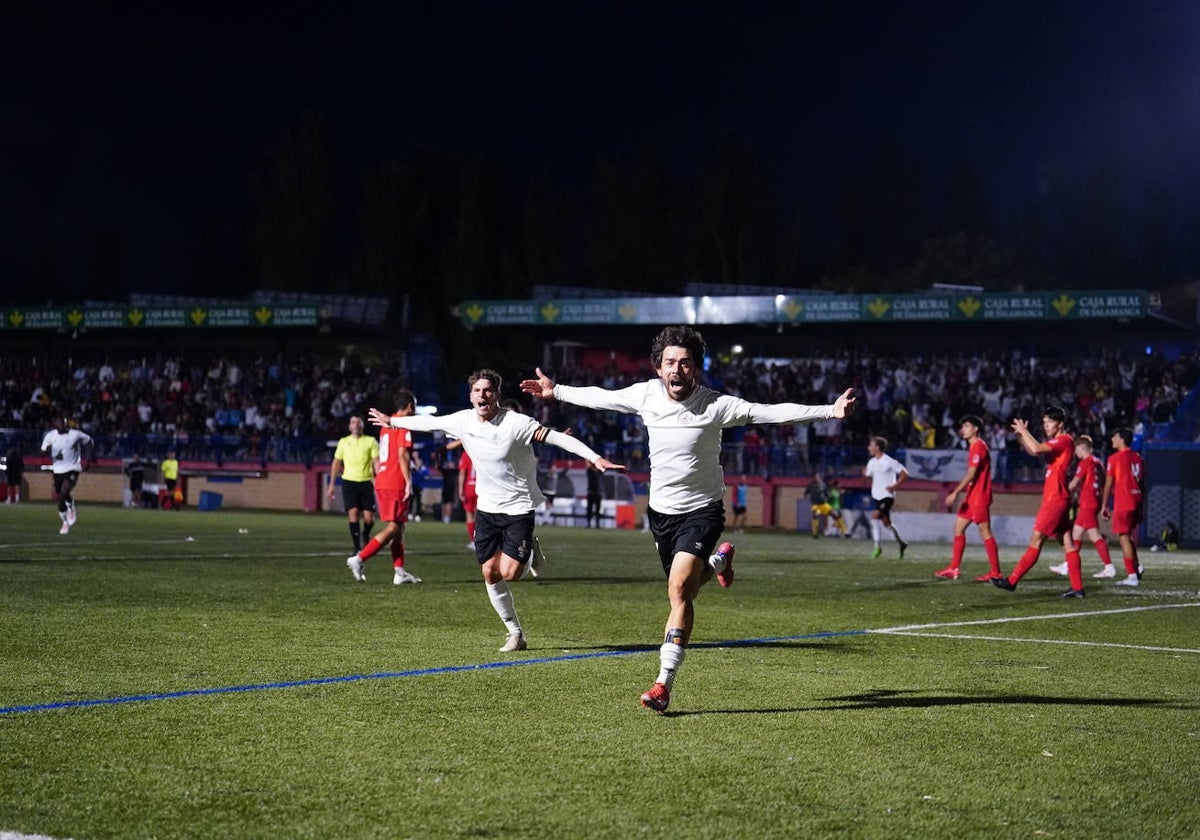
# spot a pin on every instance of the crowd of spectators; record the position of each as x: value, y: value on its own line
x: 277, y: 409
x: 914, y: 401
x: 222, y: 407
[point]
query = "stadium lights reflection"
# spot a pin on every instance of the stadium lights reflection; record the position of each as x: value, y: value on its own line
x: 736, y: 349
x: 427, y: 409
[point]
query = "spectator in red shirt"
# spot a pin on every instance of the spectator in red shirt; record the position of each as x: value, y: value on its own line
x: 1053, y: 517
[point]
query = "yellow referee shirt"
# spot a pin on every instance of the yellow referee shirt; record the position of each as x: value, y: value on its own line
x: 357, y: 455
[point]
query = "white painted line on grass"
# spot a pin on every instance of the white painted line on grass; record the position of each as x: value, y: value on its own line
x: 969, y: 637
x: 1012, y: 619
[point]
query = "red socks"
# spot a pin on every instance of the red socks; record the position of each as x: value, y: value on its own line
x: 960, y: 545
x: 1074, y: 572
x: 373, y: 545
x: 1024, y: 564
x: 397, y: 554
x: 993, y: 555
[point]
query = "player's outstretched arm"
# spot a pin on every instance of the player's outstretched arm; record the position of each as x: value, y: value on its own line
x: 378, y: 418
x: 542, y: 386
x: 844, y: 405
x: 604, y: 465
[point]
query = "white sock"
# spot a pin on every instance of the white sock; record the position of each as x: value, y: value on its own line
x: 896, y: 533
x: 502, y: 603
x: 876, y: 531
x: 670, y: 657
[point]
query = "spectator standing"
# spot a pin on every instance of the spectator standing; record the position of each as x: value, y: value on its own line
x: 14, y: 475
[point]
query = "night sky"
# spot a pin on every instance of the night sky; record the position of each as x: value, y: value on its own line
x: 148, y: 119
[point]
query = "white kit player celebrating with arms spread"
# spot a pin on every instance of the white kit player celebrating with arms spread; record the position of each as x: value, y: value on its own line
x: 500, y: 443
x: 684, y: 420
x: 68, y: 450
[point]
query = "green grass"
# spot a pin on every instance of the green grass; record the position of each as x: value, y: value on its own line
x: 1074, y: 726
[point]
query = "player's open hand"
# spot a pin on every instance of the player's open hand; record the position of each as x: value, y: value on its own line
x: 604, y: 465
x: 843, y: 406
x: 542, y: 387
x: 378, y: 418
x: 1020, y: 426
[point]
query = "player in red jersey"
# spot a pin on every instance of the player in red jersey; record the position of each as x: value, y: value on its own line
x: 976, y: 504
x: 1125, y: 484
x: 1053, y: 517
x: 1085, y: 488
x: 393, y: 487
x: 467, y: 494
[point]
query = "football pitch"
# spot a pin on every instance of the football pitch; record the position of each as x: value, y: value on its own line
x: 188, y: 674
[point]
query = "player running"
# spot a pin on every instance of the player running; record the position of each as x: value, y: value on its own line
x: 683, y: 421
x: 500, y: 443
x: 70, y: 451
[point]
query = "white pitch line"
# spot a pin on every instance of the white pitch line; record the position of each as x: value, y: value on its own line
x: 1012, y: 619
x: 1036, y: 641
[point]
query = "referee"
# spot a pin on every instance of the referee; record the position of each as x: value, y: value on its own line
x: 356, y: 459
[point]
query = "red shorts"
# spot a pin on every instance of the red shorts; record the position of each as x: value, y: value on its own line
x: 1126, y: 521
x: 470, y: 503
x: 1053, y: 518
x: 977, y: 513
x: 1087, y: 518
x: 391, y: 506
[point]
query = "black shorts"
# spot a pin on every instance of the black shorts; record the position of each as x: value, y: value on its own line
x: 884, y: 506
x: 60, y: 479
x: 738, y: 510
x: 358, y: 494
x: 511, y: 534
x: 695, y: 533
x: 449, y: 487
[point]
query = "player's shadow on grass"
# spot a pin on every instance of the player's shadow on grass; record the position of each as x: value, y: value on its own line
x: 891, y: 699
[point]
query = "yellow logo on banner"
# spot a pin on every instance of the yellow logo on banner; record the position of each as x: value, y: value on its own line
x: 15, y: 318
x: 550, y: 312
x: 969, y: 306
x: 628, y: 311
x: 74, y: 317
x: 263, y: 314
x: 198, y: 315
x: 878, y: 307
x: 474, y: 312
x: 793, y: 308
x: 136, y: 316
x: 1063, y: 304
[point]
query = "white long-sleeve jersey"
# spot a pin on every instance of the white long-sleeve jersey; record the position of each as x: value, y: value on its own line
x: 502, y: 451
x: 685, y: 437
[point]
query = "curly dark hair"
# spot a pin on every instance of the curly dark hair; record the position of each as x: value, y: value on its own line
x: 685, y: 337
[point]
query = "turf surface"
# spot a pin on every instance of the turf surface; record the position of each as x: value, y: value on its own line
x: 186, y: 674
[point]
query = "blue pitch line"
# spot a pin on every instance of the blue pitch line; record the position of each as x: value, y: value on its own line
x: 390, y: 675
